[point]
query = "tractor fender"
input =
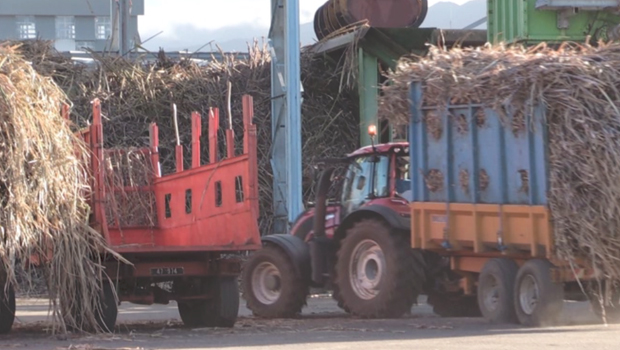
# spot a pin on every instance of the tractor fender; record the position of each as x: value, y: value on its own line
x: 395, y: 220
x: 303, y: 224
x: 295, y: 248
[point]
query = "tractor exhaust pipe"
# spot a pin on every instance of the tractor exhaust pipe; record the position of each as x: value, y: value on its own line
x: 320, y: 244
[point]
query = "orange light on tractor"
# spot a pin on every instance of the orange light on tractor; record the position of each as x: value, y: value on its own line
x: 372, y: 130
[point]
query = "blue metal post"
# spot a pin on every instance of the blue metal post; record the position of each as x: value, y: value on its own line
x: 278, y: 122
x: 285, y: 113
x: 293, y: 109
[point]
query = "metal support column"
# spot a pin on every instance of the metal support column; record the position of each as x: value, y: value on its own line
x: 285, y: 113
x: 368, y: 93
x: 125, y: 10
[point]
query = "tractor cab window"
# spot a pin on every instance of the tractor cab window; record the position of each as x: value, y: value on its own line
x: 382, y: 177
x: 365, y: 179
x: 403, y: 180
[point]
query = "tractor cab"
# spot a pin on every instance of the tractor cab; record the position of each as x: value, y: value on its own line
x: 374, y: 177
x: 376, y: 172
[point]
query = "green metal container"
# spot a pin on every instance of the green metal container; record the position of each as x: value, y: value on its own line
x: 520, y: 21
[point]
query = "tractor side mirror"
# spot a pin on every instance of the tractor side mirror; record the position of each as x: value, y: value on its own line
x: 361, y: 183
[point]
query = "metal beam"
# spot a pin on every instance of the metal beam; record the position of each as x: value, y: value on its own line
x: 285, y: 113
x: 476, y: 24
x: 368, y: 93
x: 125, y: 10
x: 278, y: 103
x: 339, y: 42
x: 293, y: 107
x: 581, y: 4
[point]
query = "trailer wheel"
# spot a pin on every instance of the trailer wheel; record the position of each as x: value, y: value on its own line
x: 496, y: 291
x: 271, y: 285
x: 538, y: 301
x: 223, y: 309
x: 7, y: 309
x: 219, y: 311
x: 108, y: 309
x: 376, y: 273
x: 105, y: 309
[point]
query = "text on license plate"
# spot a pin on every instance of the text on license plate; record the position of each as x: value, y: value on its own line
x: 167, y: 271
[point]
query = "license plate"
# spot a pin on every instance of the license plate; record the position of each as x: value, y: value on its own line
x: 439, y: 219
x: 167, y: 271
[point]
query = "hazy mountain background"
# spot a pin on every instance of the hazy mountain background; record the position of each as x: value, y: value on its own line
x: 446, y: 15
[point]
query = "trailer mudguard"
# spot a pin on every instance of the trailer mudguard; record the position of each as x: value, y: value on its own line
x: 395, y: 220
x: 296, y: 249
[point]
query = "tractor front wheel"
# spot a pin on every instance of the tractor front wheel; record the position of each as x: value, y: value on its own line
x: 271, y: 285
x: 376, y: 273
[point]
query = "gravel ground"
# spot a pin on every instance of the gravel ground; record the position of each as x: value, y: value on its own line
x: 322, y: 326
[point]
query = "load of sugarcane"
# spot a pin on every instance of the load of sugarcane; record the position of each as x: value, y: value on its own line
x: 578, y: 87
x: 44, y: 217
x: 43, y: 170
x: 134, y: 93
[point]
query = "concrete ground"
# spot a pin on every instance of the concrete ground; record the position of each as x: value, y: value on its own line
x: 322, y: 326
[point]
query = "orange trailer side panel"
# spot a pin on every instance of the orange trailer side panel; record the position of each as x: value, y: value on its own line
x: 519, y: 230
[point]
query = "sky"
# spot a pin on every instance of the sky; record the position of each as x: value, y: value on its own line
x: 168, y: 15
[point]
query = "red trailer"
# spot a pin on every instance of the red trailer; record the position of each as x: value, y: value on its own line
x: 182, y: 232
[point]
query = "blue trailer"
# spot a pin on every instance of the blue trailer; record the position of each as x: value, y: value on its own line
x: 479, y: 204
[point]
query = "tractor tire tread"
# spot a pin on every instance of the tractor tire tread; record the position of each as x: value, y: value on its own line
x: 402, y: 284
x: 294, y: 295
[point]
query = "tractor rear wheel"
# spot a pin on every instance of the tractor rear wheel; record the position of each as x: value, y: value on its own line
x: 496, y: 291
x: 7, y: 309
x: 271, y: 285
x: 219, y: 311
x: 376, y: 271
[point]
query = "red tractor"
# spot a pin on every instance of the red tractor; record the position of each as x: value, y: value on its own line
x: 357, y: 243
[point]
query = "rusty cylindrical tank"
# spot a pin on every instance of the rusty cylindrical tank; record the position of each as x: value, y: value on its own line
x: 336, y: 14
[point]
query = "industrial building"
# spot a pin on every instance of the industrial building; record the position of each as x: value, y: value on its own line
x: 71, y: 24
